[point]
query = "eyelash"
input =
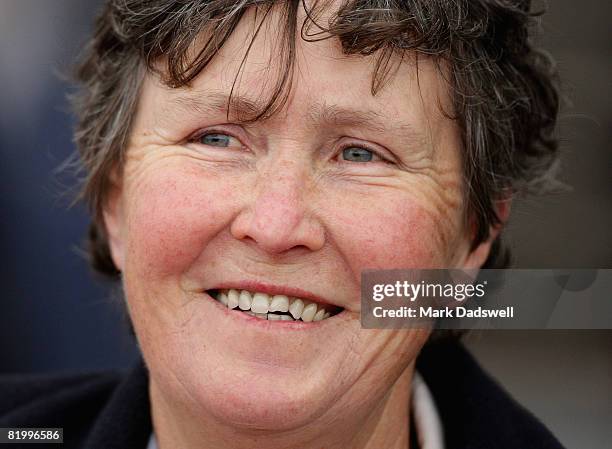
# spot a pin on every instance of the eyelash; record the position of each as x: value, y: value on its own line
x: 377, y: 154
x: 195, y: 138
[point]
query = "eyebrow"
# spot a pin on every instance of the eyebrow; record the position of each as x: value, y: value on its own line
x: 321, y: 114
x: 213, y: 102
x: 339, y: 116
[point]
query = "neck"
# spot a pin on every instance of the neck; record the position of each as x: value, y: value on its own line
x: 359, y: 427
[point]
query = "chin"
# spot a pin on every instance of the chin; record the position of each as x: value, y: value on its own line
x: 240, y: 390
x: 246, y: 373
x: 274, y: 400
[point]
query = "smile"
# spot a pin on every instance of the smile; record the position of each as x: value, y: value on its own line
x: 274, y: 307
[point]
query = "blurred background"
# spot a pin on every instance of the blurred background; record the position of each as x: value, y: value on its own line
x: 57, y: 316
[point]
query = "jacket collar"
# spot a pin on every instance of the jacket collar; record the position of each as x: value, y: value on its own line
x: 125, y: 421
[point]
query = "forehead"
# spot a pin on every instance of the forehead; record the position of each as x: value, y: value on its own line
x: 324, y: 82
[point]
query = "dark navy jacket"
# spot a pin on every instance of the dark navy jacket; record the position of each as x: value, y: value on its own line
x: 111, y: 411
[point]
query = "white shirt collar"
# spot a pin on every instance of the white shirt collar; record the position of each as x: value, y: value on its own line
x: 429, y: 429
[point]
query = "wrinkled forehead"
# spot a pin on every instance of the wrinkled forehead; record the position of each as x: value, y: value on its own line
x: 289, y: 67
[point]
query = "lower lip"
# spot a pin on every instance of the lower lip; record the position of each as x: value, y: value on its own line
x: 277, y: 325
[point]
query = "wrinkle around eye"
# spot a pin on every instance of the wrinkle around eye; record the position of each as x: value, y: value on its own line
x: 218, y: 157
x: 387, y: 176
x: 381, y: 168
x: 184, y: 156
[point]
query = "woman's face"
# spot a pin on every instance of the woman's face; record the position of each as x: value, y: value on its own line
x: 336, y: 182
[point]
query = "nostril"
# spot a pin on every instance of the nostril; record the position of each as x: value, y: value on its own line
x: 277, y: 228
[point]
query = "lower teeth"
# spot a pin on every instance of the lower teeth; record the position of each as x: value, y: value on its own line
x: 268, y: 316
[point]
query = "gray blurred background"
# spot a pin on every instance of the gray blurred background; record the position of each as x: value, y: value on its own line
x: 57, y: 316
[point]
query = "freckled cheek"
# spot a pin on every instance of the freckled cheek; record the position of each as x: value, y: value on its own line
x: 170, y: 221
x: 400, y: 235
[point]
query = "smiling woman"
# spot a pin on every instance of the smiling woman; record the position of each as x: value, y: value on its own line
x: 277, y: 210
x: 248, y: 160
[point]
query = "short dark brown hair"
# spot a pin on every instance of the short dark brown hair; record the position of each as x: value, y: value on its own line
x: 504, y: 90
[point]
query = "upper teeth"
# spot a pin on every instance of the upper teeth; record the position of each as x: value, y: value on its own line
x: 264, y: 306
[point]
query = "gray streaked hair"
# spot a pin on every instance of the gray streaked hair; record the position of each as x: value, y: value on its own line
x: 504, y: 90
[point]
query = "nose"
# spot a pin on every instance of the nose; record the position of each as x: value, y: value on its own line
x: 279, y: 215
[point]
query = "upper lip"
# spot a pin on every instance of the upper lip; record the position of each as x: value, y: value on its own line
x: 272, y: 289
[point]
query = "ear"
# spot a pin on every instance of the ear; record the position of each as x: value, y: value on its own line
x: 114, y: 221
x: 477, y: 256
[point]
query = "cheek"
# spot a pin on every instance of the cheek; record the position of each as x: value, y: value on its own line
x: 397, y: 234
x: 171, y: 216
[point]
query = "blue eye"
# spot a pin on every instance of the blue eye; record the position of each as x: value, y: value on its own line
x: 216, y: 140
x: 357, y: 154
